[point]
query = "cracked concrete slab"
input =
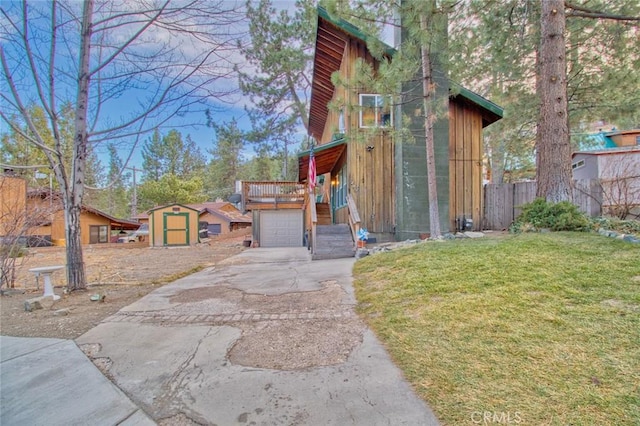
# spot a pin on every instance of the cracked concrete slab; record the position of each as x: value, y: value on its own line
x: 265, y: 359
x: 247, y: 346
x: 51, y: 382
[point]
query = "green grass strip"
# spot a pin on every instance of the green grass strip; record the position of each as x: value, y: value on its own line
x: 531, y: 328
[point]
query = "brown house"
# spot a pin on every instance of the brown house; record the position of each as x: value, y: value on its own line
x: 362, y: 158
x: 43, y: 215
x: 221, y: 217
x: 624, y: 137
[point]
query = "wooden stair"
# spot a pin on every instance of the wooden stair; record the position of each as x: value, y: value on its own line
x: 323, y: 212
x: 333, y: 242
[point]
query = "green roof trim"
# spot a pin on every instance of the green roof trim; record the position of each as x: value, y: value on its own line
x: 352, y: 30
x: 323, y: 147
x: 477, y: 99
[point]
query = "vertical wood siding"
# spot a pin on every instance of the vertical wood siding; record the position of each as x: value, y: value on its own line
x: 370, y: 171
x: 465, y: 164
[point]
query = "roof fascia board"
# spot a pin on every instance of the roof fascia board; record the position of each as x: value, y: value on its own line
x: 323, y: 147
x: 352, y: 30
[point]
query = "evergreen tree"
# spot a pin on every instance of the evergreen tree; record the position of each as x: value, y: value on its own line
x: 169, y: 155
x: 113, y: 198
x: 279, y: 59
x: 153, y: 157
x: 171, y: 189
x: 18, y: 150
x: 502, y: 38
x: 225, y: 166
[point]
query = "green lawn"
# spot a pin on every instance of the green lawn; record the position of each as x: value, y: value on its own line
x: 532, y: 328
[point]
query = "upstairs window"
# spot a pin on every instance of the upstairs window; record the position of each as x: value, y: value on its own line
x: 375, y: 111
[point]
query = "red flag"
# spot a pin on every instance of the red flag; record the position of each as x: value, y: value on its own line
x: 311, y: 177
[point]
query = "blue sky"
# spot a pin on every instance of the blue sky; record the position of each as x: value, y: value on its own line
x: 120, y: 107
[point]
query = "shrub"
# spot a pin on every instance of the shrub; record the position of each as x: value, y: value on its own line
x: 540, y: 214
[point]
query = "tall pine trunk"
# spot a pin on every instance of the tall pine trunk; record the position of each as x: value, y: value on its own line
x: 553, y: 147
x: 429, y: 118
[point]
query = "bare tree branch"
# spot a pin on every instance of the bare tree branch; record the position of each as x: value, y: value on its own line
x: 583, y: 12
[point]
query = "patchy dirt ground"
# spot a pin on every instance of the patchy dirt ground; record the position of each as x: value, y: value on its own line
x: 122, y: 273
x: 282, y: 338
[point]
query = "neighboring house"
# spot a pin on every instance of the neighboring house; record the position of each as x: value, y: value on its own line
x: 141, y: 217
x: 624, y: 137
x: 387, y: 178
x: 221, y: 218
x: 13, y: 205
x: 618, y: 172
x: 610, y: 139
x: 45, y: 216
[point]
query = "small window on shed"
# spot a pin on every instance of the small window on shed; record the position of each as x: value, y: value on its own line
x: 577, y: 164
x: 637, y: 140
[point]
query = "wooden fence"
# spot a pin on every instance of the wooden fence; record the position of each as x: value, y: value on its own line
x: 502, y: 202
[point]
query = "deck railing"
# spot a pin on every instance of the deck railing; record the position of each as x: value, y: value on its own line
x: 271, y: 194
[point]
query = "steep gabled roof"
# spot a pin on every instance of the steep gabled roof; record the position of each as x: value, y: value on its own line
x: 332, y: 35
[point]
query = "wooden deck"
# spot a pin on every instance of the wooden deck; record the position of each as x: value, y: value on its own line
x: 273, y: 195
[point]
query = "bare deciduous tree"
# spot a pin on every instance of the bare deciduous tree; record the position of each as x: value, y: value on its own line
x: 620, y: 182
x: 127, y: 68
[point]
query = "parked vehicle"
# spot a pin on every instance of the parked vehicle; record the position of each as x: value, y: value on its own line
x: 138, y: 235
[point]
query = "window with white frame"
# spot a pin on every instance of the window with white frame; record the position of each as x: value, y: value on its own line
x: 375, y: 111
x: 577, y: 164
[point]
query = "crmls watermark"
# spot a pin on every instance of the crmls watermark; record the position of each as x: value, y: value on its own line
x: 496, y: 417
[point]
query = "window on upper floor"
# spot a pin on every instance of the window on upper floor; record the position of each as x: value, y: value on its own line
x: 375, y: 111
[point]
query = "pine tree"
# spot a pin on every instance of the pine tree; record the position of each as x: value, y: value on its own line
x: 227, y: 160
x: 279, y: 57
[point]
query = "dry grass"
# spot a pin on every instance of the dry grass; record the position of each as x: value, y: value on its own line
x: 531, y: 329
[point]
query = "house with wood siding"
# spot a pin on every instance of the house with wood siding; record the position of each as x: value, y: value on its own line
x: 221, y: 217
x: 363, y: 160
x: 43, y: 214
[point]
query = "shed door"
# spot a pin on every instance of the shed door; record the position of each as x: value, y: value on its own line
x: 176, y: 229
x: 281, y: 228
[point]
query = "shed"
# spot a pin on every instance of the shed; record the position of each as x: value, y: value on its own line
x: 173, y: 225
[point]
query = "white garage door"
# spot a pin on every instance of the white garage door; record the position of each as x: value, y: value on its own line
x: 281, y: 228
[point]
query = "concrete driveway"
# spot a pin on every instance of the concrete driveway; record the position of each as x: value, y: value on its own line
x: 266, y: 338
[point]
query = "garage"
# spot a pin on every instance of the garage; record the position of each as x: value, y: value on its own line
x: 281, y: 228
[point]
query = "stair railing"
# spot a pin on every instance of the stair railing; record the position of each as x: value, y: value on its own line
x: 354, y: 218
